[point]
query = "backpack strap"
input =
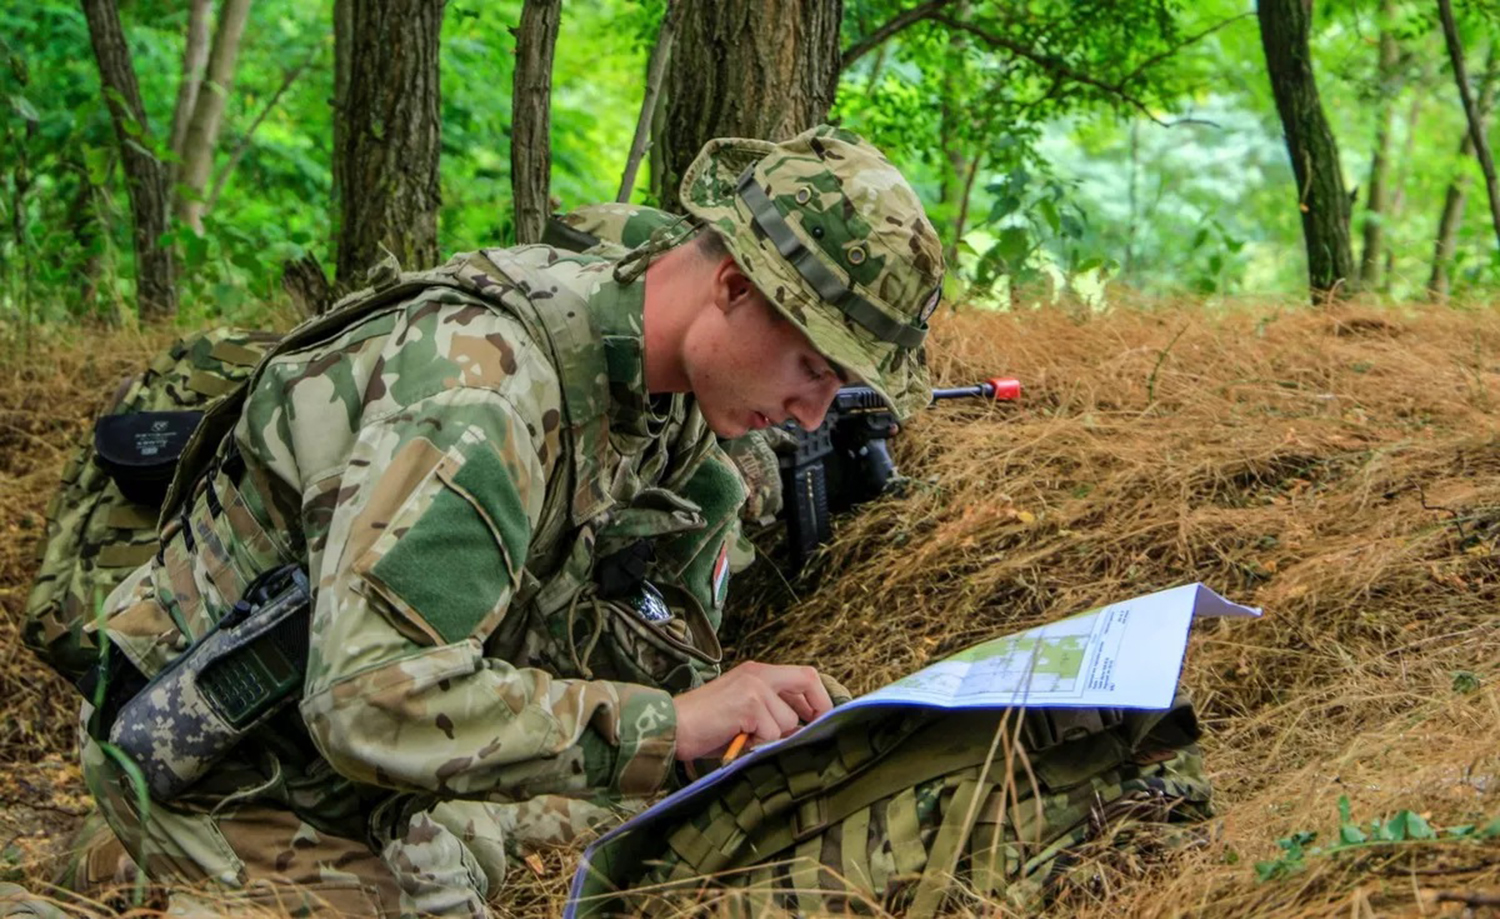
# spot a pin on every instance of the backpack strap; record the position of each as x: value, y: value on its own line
x: 564, y: 328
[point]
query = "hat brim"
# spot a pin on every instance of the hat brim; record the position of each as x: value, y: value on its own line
x: 708, y: 193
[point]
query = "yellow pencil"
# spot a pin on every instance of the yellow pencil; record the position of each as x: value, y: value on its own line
x: 735, y: 746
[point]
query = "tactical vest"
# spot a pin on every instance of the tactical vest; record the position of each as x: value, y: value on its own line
x: 560, y: 621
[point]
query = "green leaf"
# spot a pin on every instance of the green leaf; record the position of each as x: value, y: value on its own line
x: 1414, y: 826
x: 1013, y: 246
x: 1049, y: 213
x: 1005, y: 205
x: 97, y: 162
x: 24, y: 108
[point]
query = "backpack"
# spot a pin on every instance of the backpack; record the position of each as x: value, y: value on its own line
x: 888, y: 812
x: 101, y: 522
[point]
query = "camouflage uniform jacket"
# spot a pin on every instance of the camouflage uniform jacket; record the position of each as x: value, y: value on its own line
x: 449, y: 466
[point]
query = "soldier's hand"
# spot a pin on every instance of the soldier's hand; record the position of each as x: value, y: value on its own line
x: 766, y: 701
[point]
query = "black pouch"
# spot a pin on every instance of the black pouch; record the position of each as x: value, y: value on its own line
x: 140, y: 450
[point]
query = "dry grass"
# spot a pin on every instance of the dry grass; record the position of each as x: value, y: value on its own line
x: 1339, y: 470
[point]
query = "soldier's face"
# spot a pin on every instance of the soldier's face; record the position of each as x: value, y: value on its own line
x: 750, y: 367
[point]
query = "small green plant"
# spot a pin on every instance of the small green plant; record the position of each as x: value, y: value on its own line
x: 1405, y: 827
x: 1465, y: 682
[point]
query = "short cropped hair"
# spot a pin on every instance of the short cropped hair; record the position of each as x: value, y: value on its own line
x: 710, y: 244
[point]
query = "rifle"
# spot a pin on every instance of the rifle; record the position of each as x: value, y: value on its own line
x: 847, y: 460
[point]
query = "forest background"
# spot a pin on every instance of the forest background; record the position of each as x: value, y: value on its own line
x: 1152, y: 161
x: 1091, y: 146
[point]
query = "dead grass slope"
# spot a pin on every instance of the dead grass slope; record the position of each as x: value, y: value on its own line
x: 1342, y: 471
x: 1338, y: 469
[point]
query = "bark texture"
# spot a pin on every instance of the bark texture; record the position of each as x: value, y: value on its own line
x: 1378, y: 194
x: 145, y: 175
x: 1321, y: 194
x: 656, y: 72
x: 202, y: 136
x: 1471, y: 112
x: 386, y: 113
x: 745, y: 68
x: 1445, y: 245
x: 531, y: 117
x: 194, y: 61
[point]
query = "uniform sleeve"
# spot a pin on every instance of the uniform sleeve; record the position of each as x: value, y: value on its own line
x: 433, y: 518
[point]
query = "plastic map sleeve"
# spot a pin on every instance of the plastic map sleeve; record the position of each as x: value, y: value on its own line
x: 1124, y: 655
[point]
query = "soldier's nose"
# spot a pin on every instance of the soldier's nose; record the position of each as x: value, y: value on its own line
x: 809, y: 412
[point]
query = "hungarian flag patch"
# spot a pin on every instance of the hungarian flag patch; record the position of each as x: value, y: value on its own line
x: 720, y: 583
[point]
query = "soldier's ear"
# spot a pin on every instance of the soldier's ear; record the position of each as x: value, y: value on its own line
x: 732, y: 289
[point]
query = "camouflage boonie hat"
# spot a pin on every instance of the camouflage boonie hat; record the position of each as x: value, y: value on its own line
x: 833, y: 236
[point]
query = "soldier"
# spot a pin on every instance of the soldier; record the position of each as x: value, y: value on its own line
x: 491, y: 498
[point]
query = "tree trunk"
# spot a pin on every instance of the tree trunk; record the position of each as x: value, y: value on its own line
x: 145, y: 175
x: 1377, y: 195
x: 1321, y: 195
x: 1471, y: 112
x: 84, y: 226
x: 953, y: 116
x: 746, y: 68
x: 1446, y: 243
x: 531, y: 117
x: 658, y: 144
x: 386, y: 139
x: 208, y: 114
x: 1397, y: 207
x: 194, y: 60
x: 656, y: 71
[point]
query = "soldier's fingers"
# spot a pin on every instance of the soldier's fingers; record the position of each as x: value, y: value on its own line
x: 800, y: 704
x: 812, y: 702
x: 786, y: 679
x: 770, y: 724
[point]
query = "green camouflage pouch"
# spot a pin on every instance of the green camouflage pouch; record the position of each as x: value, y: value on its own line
x: 655, y: 636
x: 916, y: 811
x: 101, y: 522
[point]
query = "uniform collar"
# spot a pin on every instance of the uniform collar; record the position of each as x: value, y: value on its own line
x: 619, y: 315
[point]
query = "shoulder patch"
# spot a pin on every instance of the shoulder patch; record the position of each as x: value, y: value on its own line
x: 442, y: 573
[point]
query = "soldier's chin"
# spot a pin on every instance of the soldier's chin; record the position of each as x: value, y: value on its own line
x: 725, y: 424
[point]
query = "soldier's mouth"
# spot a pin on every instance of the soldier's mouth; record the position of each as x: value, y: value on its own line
x: 759, y: 421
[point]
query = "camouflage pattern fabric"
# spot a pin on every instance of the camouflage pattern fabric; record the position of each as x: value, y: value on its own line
x: 617, y: 228
x: 429, y: 858
x: 449, y: 455
x: 612, y: 230
x: 836, y: 239
x: 95, y: 536
x: 887, y: 817
x: 437, y: 454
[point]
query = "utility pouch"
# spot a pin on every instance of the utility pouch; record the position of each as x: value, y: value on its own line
x: 243, y: 670
x: 140, y: 450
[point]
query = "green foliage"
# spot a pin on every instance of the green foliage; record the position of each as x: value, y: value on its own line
x: 1030, y: 214
x: 1404, y: 828
x: 1057, y: 141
